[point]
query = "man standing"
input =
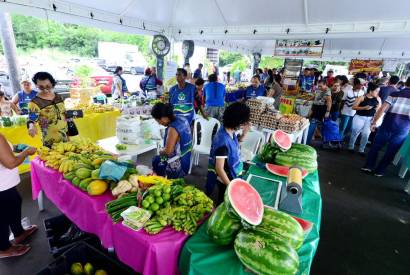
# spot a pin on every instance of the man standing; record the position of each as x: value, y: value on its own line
x: 393, y: 131
x: 198, y: 71
x: 214, y: 97
x: 385, y: 91
x: 23, y: 97
x: 182, y: 96
x: 329, y: 78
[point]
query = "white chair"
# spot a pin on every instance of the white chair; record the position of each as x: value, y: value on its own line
x: 252, y: 142
x: 204, y: 146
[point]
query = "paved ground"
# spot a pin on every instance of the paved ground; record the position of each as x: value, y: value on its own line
x: 365, y: 222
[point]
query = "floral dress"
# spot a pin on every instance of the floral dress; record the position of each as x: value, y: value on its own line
x: 50, y: 115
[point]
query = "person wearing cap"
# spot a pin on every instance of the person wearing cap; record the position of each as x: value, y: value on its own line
x: 24, y: 96
x: 349, y: 99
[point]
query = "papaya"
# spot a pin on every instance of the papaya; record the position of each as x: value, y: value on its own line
x: 97, y: 187
x: 95, y: 174
x: 83, y: 173
x: 76, y: 181
x: 84, y: 183
x: 69, y: 176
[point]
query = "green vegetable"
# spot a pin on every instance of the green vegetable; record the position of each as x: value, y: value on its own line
x: 121, y: 147
x: 116, y: 207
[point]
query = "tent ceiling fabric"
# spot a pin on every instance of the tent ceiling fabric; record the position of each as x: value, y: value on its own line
x: 243, y: 25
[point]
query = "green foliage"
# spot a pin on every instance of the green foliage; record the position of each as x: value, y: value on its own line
x: 83, y: 71
x: 33, y: 33
x: 226, y: 58
x: 271, y: 62
x: 241, y: 64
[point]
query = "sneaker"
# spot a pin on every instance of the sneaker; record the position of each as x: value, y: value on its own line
x: 367, y: 170
x: 378, y: 175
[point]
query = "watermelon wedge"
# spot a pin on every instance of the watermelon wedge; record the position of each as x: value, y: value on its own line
x: 306, y: 225
x: 282, y: 140
x: 282, y: 171
x: 244, y: 202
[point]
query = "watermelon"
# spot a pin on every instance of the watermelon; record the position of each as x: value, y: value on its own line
x: 265, y: 254
x: 243, y: 202
x: 282, y: 140
x: 221, y: 228
x: 306, y: 225
x: 282, y: 224
x: 299, y: 154
x: 282, y: 171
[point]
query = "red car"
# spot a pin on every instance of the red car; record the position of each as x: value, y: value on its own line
x: 105, y: 83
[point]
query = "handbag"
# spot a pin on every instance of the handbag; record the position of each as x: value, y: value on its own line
x: 71, y: 128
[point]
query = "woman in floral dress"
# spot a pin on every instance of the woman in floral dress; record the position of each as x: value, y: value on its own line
x: 47, y: 109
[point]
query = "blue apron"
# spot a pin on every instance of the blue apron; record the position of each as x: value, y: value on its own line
x: 182, y: 101
x: 222, y: 138
x: 252, y: 92
x: 176, y: 165
x: 24, y: 100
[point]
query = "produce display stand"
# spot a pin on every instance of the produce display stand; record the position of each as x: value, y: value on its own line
x: 200, y: 255
x: 93, y: 126
x: 146, y: 254
x: 235, y: 95
x: 132, y: 151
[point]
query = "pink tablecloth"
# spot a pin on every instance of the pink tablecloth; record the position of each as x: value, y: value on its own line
x: 88, y: 213
x: 146, y: 254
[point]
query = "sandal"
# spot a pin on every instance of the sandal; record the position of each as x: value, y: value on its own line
x: 27, y: 233
x: 14, y: 251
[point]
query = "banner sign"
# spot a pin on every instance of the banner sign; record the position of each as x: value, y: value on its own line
x: 365, y: 66
x: 299, y: 48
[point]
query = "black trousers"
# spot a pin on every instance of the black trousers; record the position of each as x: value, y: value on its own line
x: 221, y: 192
x: 10, y: 216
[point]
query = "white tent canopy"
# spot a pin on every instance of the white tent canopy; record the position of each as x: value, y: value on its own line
x: 351, y: 28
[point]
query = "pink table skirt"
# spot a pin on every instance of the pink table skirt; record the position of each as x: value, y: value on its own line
x: 146, y: 254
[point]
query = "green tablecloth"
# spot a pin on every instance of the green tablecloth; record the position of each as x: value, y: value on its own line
x: 201, y: 256
x: 405, y: 152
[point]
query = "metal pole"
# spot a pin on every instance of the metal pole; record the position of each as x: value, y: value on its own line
x: 10, y: 51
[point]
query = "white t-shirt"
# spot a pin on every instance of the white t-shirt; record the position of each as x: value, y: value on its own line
x: 9, y: 178
x: 350, y: 97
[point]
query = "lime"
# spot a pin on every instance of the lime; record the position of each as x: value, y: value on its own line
x: 166, y: 197
x: 145, y: 204
x: 167, y: 204
x: 167, y: 190
x: 150, y: 199
x: 89, y: 269
x: 77, y: 269
x: 101, y: 272
x: 159, y: 200
x: 154, y: 207
x: 157, y: 193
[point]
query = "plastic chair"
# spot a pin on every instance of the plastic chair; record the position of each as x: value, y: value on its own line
x: 253, y: 141
x: 204, y: 146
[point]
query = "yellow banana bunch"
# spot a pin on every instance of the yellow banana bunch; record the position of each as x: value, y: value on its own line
x: 151, y: 180
x: 67, y: 165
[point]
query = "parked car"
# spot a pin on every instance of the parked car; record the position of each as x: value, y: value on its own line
x: 105, y: 83
x: 137, y: 70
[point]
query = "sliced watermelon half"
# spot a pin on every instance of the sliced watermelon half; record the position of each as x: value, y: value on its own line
x: 282, y: 171
x: 244, y: 202
x: 306, y: 225
x: 282, y: 139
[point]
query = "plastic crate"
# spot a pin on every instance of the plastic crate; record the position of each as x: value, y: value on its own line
x: 55, y: 227
x: 84, y: 253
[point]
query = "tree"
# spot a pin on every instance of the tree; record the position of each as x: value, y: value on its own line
x: 271, y: 62
x: 226, y: 58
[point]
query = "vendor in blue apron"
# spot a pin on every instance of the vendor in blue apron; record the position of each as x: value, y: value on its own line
x: 182, y: 97
x: 174, y: 159
x: 256, y: 89
x: 23, y: 97
x: 224, y: 160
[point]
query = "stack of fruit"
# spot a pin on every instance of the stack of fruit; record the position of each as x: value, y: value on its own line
x: 94, y: 108
x: 87, y: 269
x: 79, y: 160
x: 265, y: 240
